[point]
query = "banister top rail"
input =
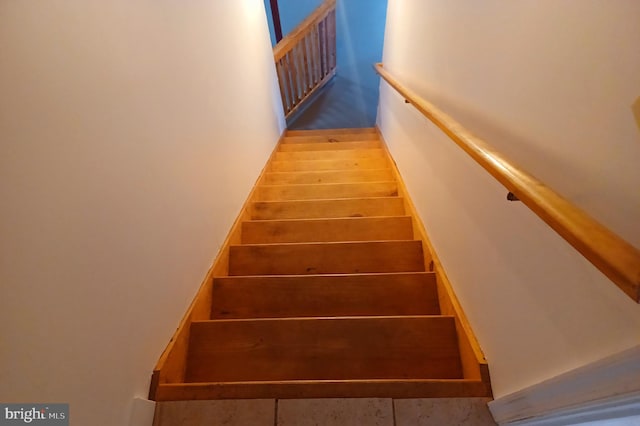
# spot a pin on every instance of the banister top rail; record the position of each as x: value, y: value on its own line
x: 612, y: 255
x: 300, y: 31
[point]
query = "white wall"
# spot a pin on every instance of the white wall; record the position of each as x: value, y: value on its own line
x: 130, y: 135
x: 550, y: 83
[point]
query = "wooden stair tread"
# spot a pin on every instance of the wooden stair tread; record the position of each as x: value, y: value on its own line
x: 329, y: 176
x: 326, y: 258
x: 340, y: 154
x: 355, y: 207
x: 329, y: 146
x: 319, y: 165
x: 318, y: 191
x: 323, y: 349
x: 323, y: 132
x: 282, y: 296
x: 327, y: 230
x: 329, y: 138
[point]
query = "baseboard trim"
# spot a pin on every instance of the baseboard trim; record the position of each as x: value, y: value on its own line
x: 607, y: 388
x: 142, y: 412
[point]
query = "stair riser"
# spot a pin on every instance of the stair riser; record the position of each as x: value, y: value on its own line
x: 324, y: 296
x: 323, y: 349
x: 279, y: 389
x: 341, y: 176
x: 326, y: 191
x: 393, y: 206
x: 327, y: 230
x: 326, y: 258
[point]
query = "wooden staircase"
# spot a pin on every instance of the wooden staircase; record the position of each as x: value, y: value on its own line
x: 326, y: 287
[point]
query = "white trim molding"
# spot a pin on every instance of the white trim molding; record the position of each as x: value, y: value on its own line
x: 142, y: 412
x: 605, y: 389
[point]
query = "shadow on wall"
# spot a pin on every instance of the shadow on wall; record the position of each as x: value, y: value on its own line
x: 351, y: 99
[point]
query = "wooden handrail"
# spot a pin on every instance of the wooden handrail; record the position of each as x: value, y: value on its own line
x: 612, y: 255
x: 305, y: 59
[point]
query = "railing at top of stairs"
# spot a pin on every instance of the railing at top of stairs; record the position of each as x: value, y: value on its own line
x: 306, y: 58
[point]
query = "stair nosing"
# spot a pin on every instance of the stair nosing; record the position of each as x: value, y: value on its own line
x: 324, y: 151
x: 337, y: 143
x: 359, y: 274
x: 323, y: 199
x: 326, y: 243
x: 325, y: 318
x: 263, y: 185
x: 326, y: 219
x: 328, y: 199
x: 327, y: 171
x: 355, y: 130
x: 319, y: 381
x: 385, y: 157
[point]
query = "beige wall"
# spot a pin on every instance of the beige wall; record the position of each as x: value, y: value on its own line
x: 130, y: 135
x: 551, y: 84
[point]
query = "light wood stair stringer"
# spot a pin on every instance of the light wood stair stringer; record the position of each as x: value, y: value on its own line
x: 474, y: 363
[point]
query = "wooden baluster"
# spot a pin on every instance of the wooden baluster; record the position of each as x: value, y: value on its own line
x: 326, y: 45
x: 306, y: 63
x: 296, y: 72
x: 285, y: 84
x: 314, y: 60
x: 316, y: 47
x: 328, y: 41
x: 281, y: 80
x: 292, y: 91
x: 299, y: 67
x: 332, y: 40
x: 294, y: 75
x: 322, y: 32
x: 301, y: 72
